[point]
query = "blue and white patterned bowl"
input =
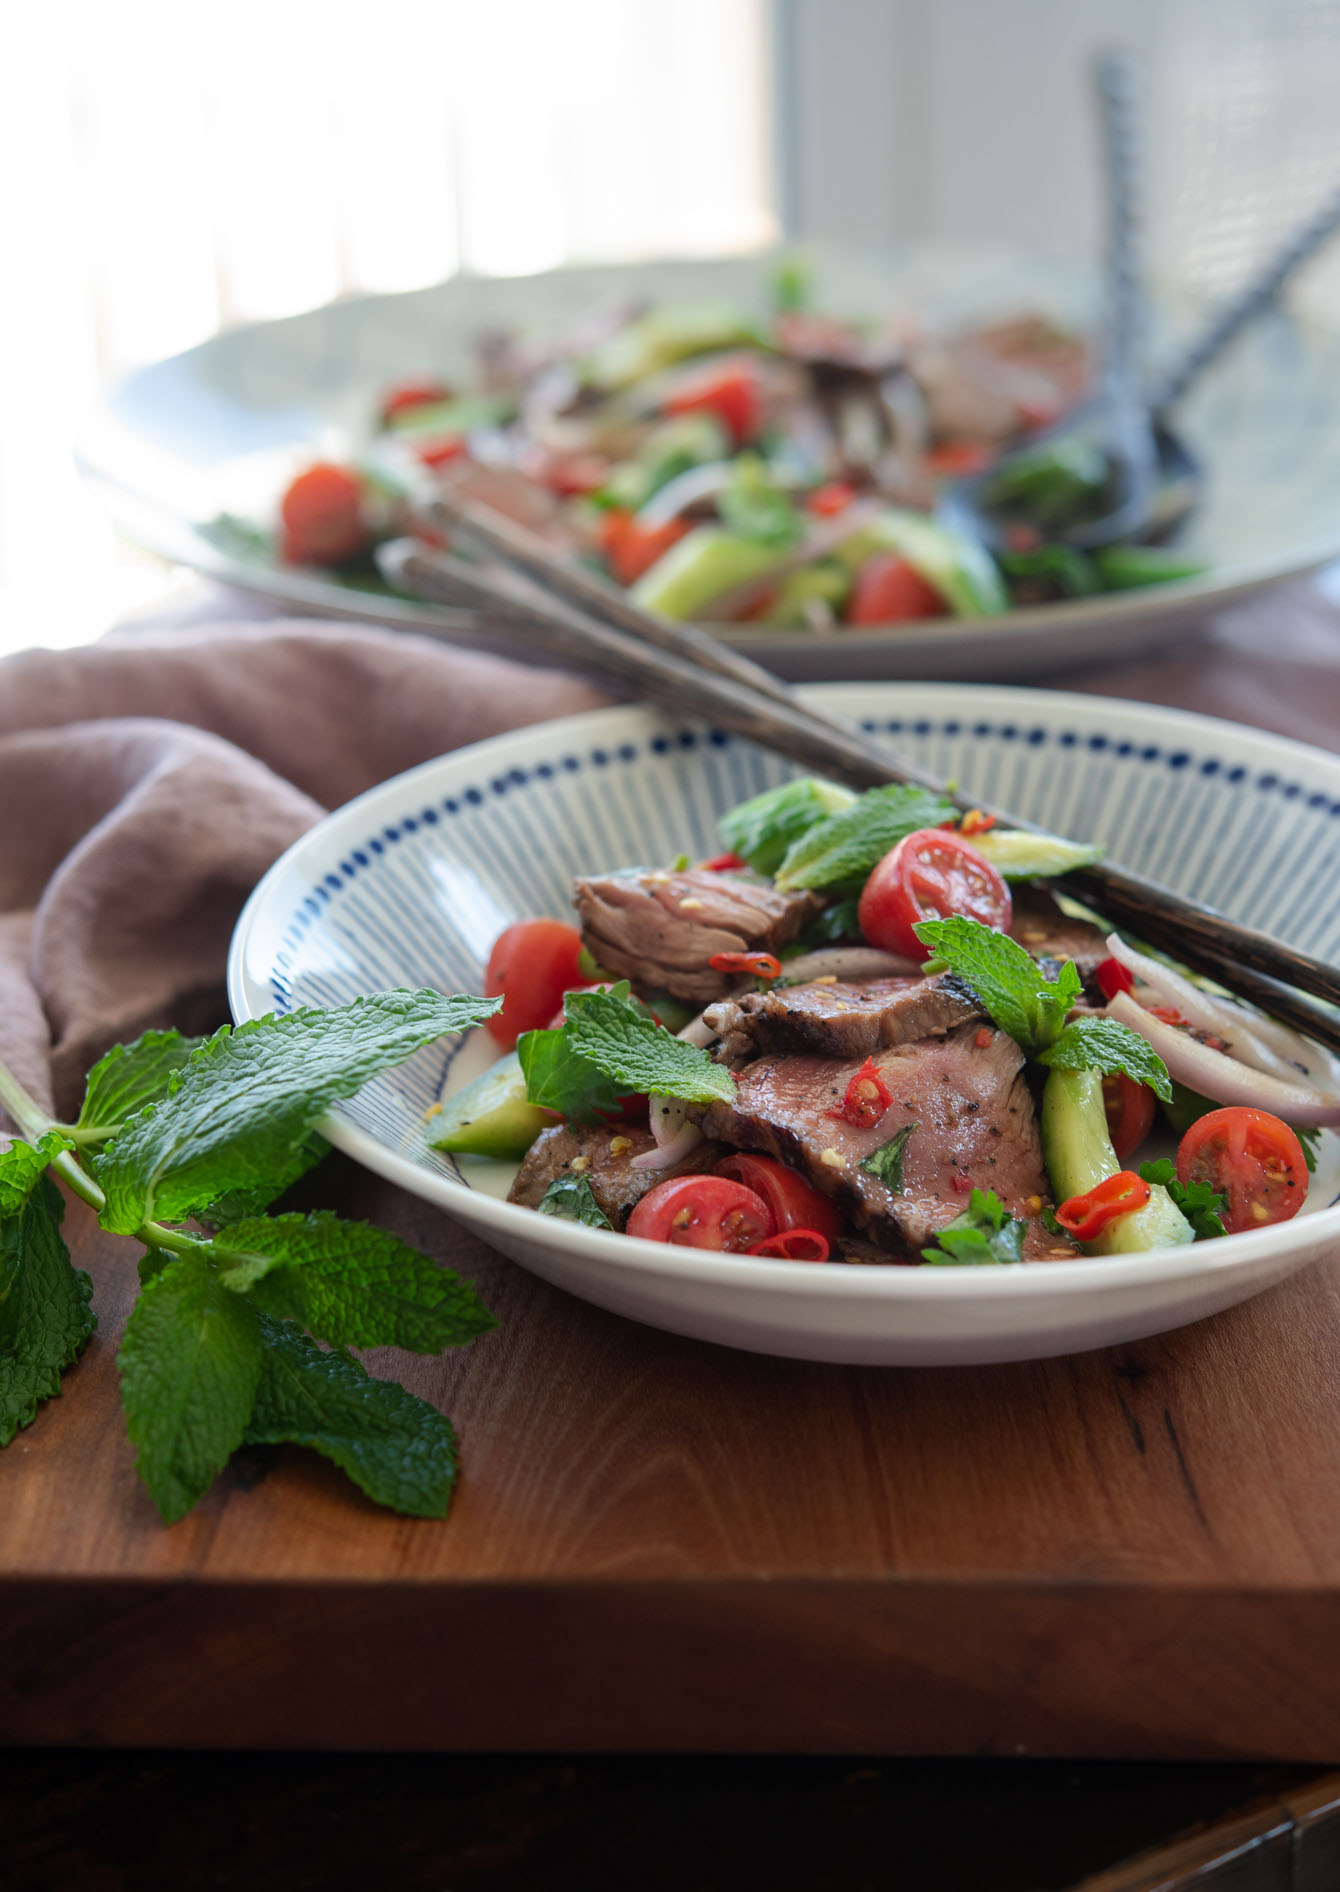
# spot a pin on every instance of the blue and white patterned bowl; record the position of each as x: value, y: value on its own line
x: 410, y: 884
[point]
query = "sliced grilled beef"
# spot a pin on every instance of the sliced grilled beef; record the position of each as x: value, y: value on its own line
x: 1052, y: 936
x: 604, y: 1155
x: 661, y: 929
x: 840, y: 1021
x: 975, y: 1121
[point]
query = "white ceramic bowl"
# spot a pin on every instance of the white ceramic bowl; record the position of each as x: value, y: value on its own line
x: 410, y: 884
x: 224, y: 426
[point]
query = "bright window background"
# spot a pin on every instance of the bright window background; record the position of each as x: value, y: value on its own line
x: 171, y: 167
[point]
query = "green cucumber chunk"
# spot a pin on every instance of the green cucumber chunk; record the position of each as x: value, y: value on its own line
x: 1079, y: 1154
x: 698, y: 569
x: 1018, y: 855
x: 959, y: 568
x: 490, y: 1117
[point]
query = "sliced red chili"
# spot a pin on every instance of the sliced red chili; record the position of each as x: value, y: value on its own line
x: 975, y: 822
x: 868, y: 1097
x: 1113, y: 977
x: 1085, y: 1217
x: 982, y: 1037
x: 762, y: 965
x: 1169, y: 1014
x: 794, y: 1244
x: 724, y: 864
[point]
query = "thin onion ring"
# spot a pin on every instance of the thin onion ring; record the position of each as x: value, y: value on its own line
x: 1223, y: 1079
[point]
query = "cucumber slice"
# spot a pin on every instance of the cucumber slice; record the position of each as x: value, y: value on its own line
x: 490, y: 1117
x: 702, y: 566
x: 959, y: 568
x: 1079, y: 1155
x: 1017, y: 855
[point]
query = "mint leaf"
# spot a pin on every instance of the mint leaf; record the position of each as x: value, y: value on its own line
x: 557, y: 1079
x: 190, y: 1363
x: 396, y: 1448
x: 887, y: 1162
x: 1200, y: 1202
x: 840, y: 852
x: 1011, y: 985
x: 245, y: 1103
x: 21, y: 1165
x: 1101, y: 1044
x: 45, y: 1317
x: 128, y: 1078
x: 985, y: 1233
x: 839, y: 922
x: 349, y: 1283
x: 642, y: 1056
x: 573, y: 1199
x: 760, y: 831
x: 238, y: 1205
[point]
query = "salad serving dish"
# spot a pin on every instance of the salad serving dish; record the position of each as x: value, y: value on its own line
x: 217, y: 433
x: 411, y: 883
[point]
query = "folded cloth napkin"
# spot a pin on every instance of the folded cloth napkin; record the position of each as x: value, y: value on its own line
x: 147, y: 782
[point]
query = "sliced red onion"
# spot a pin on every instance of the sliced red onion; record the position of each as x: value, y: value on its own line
x: 851, y: 963
x: 685, y: 490
x: 1263, y: 1043
x: 675, y: 1136
x: 1225, y: 1080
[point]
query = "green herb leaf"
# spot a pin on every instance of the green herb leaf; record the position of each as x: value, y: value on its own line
x: 1101, y: 1044
x: 397, y: 1449
x: 21, y: 1165
x: 840, y: 852
x: 349, y: 1283
x: 573, y: 1200
x: 1200, y: 1203
x: 45, y: 1317
x: 761, y: 830
x: 557, y: 1079
x: 1069, y: 571
x: 887, y: 1162
x: 985, y: 1233
x: 247, y: 1100
x: 755, y: 507
x: 239, y: 1205
x: 129, y: 1077
x: 1310, y: 1138
x: 1012, y: 986
x: 190, y: 1363
x: 642, y: 1056
x: 835, y: 923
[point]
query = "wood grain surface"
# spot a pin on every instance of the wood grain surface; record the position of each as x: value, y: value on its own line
x: 659, y: 1544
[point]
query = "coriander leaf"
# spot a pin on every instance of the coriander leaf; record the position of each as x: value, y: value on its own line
x: 558, y: 1079
x: 573, y: 1200
x: 841, y: 851
x: 761, y: 830
x: 349, y: 1283
x: 1200, y: 1202
x: 247, y: 1100
x: 887, y: 1162
x: 1310, y: 1138
x: 237, y: 1205
x: 190, y: 1363
x: 985, y: 1233
x: 21, y: 1165
x: 1015, y: 991
x: 45, y: 1317
x: 396, y: 1448
x: 1101, y: 1044
x: 642, y: 1056
x: 129, y: 1077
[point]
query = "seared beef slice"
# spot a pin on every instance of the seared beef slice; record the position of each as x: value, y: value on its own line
x: 1052, y: 936
x: 975, y: 1126
x: 604, y: 1154
x: 661, y: 929
x: 840, y: 1021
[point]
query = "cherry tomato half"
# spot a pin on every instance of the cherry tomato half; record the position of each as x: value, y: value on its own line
x: 633, y: 548
x: 1130, y: 1113
x: 702, y: 1212
x: 889, y: 591
x: 532, y: 964
x: 794, y: 1202
x: 794, y: 1244
x: 1252, y: 1159
x: 732, y: 390
x: 929, y: 876
x: 322, y: 515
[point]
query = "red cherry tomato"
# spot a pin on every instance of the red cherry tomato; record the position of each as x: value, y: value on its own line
x: 732, y: 390
x: 405, y: 396
x: 794, y: 1202
x: 826, y: 502
x: 632, y: 548
x: 702, y: 1212
x: 322, y: 515
x: 724, y: 864
x: 1252, y: 1159
x: 888, y: 591
x: 794, y: 1244
x: 532, y: 964
x: 1130, y: 1113
x: 929, y: 876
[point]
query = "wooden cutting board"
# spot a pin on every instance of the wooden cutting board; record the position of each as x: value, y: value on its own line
x: 661, y: 1544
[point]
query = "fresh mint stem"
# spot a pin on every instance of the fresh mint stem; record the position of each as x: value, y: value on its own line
x: 28, y: 1114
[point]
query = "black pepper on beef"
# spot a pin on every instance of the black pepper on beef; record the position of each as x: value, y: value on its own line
x: 838, y: 1020
x: 976, y: 1127
x: 603, y: 1153
x: 1052, y: 937
x: 661, y: 928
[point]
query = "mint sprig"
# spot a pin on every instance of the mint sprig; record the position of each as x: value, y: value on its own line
x: 1101, y: 1044
x: 985, y: 1233
x: 1011, y: 985
x: 762, y: 829
x: 616, y: 1035
x: 126, y: 1079
x: 839, y: 853
x: 45, y: 1317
